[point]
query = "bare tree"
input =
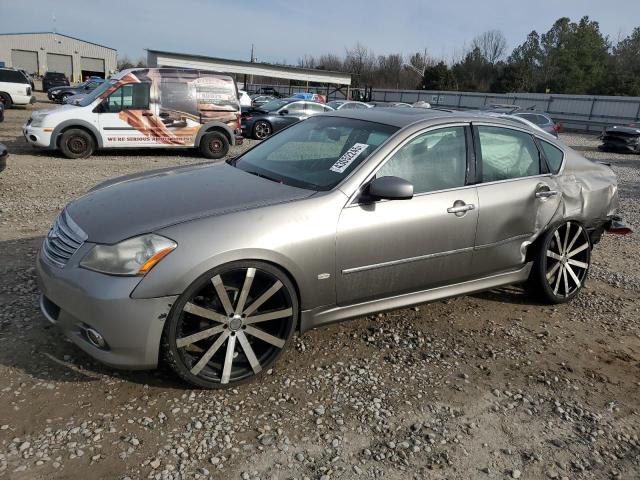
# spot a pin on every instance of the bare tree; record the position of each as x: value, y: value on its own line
x: 361, y: 62
x: 492, y: 45
x: 331, y: 62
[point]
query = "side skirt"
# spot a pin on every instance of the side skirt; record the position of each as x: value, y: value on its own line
x: 321, y: 316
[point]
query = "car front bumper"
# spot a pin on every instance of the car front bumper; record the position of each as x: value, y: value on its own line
x: 37, y: 136
x: 76, y: 299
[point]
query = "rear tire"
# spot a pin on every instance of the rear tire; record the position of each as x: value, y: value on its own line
x: 561, y: 264
x: 262, y: 129
x: 214, y: 145
x: 77, y: 143
x: 5, y: 99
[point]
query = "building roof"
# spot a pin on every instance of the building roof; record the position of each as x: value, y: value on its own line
x: 257, y: 68
x: 56, y: 33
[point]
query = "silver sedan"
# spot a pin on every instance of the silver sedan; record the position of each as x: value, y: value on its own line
x: 212, y: 268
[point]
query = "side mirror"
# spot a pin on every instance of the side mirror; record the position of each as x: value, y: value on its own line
x: 284, y: 112
x: 390, y: 188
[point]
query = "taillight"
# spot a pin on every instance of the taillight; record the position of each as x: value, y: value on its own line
x: 557, y: 127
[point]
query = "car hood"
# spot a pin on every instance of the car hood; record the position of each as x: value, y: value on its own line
x: 64, y: 88
x: 146, y: 202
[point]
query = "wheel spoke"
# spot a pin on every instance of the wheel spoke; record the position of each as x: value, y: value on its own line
x: 553, y: 270
x: 558, y: 278
x: 228, y: 359
x: 558, y: 242
x: 267, y: 337
x: 566, y: 281
x: 578, y: 250
x: 574, y: 239
x: 222, y: 294
x: 576, y: 263
x: 263, y: 298
x: 565, y: 245
x: 204, y: 312
x: 248, y: 351
x: 268, y: 316
x: 248, y: 280
x: 572, y: 274
x: 196, y: 337
x: 210, y: 353
x: 553, y: 255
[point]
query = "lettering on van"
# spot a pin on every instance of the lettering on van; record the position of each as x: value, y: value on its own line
x: 157, y: 138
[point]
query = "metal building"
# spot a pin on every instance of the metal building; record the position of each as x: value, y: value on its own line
x: 37, y: 53
x: 239, y: 68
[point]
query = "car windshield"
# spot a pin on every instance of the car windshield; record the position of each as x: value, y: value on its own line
x: 274, y: 105
x: 316, y: 154
x: 95, y: 93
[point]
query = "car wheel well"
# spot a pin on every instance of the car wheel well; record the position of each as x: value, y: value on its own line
x: 535, y: 245
x: 293, y: 282
x: 221, y: 130
x: 7, y: 96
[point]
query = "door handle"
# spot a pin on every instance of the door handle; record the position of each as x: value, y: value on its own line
x: 459, y: 208
x: 147, y: 114
x: 546, y: 193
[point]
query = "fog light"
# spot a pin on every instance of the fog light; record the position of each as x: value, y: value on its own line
x: 95, y: 338
x: 33, y: 138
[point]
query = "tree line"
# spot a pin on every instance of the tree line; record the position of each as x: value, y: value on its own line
x: 572, y: 57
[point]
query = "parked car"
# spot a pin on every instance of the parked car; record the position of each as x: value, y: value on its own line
x: 312, y: 97
x: 621, y: 138
x: 262, y: 122
x: 189, y: 108
x: 29, y: 78
x: 245, y: 99
x: 421, y: 104
x: 54, y: 79
x: 61, y: 94
x: 4, y: 153
x: 347, y: 105
x: 269, y: 91
x: 211, y: 268
x: 389, y: 104
x: 14, y: 88
x: 541, y: 119
x: 259, y: 100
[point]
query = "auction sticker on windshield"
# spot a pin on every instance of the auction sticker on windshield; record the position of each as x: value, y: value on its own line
x: 345, y: 160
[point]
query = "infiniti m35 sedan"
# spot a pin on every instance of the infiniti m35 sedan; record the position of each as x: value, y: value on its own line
x: 211, y: 268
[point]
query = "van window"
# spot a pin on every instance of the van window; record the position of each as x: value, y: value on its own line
x: 12, y: 76
x: 133, y: 96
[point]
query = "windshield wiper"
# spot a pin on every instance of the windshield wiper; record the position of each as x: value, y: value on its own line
x: 262, y: 175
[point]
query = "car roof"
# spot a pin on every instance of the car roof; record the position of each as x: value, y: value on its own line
x: 402, y: 117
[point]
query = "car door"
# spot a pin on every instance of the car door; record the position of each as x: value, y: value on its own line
x: 125, y: 117
x: 386, y: 248
x: 516, y: 193
x: 288, y: 115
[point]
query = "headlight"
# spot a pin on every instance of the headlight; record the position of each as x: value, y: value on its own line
x: 135, y: 256
x: 55, y: 92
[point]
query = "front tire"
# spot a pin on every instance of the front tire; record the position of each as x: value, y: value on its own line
x: 77, y: 143
x: 214, y: 145
x: 561, y: 264
x: 230, y: 325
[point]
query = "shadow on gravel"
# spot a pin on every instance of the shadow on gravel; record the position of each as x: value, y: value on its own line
x: 31, y: 344
x: 510, y: 294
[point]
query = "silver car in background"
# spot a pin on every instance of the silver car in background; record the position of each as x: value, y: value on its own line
x: 211, y: 268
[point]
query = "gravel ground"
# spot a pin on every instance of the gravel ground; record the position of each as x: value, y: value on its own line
x: 489, y: 386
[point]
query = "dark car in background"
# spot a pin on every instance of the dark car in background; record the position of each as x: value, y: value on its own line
x: 54, y: 79
x: 60, y: 94
x: 262, y: 122
x: 259, y: 100
x: 542, y: 120
x: 621, y: 138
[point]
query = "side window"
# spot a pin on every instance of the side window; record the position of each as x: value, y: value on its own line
x: 314, y: 108
x: 435, y: 160
x: 553, y: 155
x: 359, y: 106
x: 133, y: 96
x: 295, y: 107
x: 507, y: 154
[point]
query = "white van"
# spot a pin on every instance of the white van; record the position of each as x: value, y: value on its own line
x: 145, y: 108
x: 15, y: 88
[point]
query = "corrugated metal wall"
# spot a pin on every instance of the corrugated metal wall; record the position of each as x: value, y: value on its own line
x: 44, y: 43
x: 578, y: 112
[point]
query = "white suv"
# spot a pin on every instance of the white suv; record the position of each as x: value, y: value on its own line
x: 14, y: 88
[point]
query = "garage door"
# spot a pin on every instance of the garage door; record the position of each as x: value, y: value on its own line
x: 92, y: 64
x: 60, y: 63
x: 25, y: 60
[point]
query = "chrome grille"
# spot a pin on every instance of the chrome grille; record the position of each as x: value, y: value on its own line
x: 63, y: 240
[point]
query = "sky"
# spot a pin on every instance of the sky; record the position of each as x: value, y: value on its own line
x: 284, y: 31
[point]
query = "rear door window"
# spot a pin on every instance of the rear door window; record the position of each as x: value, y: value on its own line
x: 507, y: 154
x: 553, y: 155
